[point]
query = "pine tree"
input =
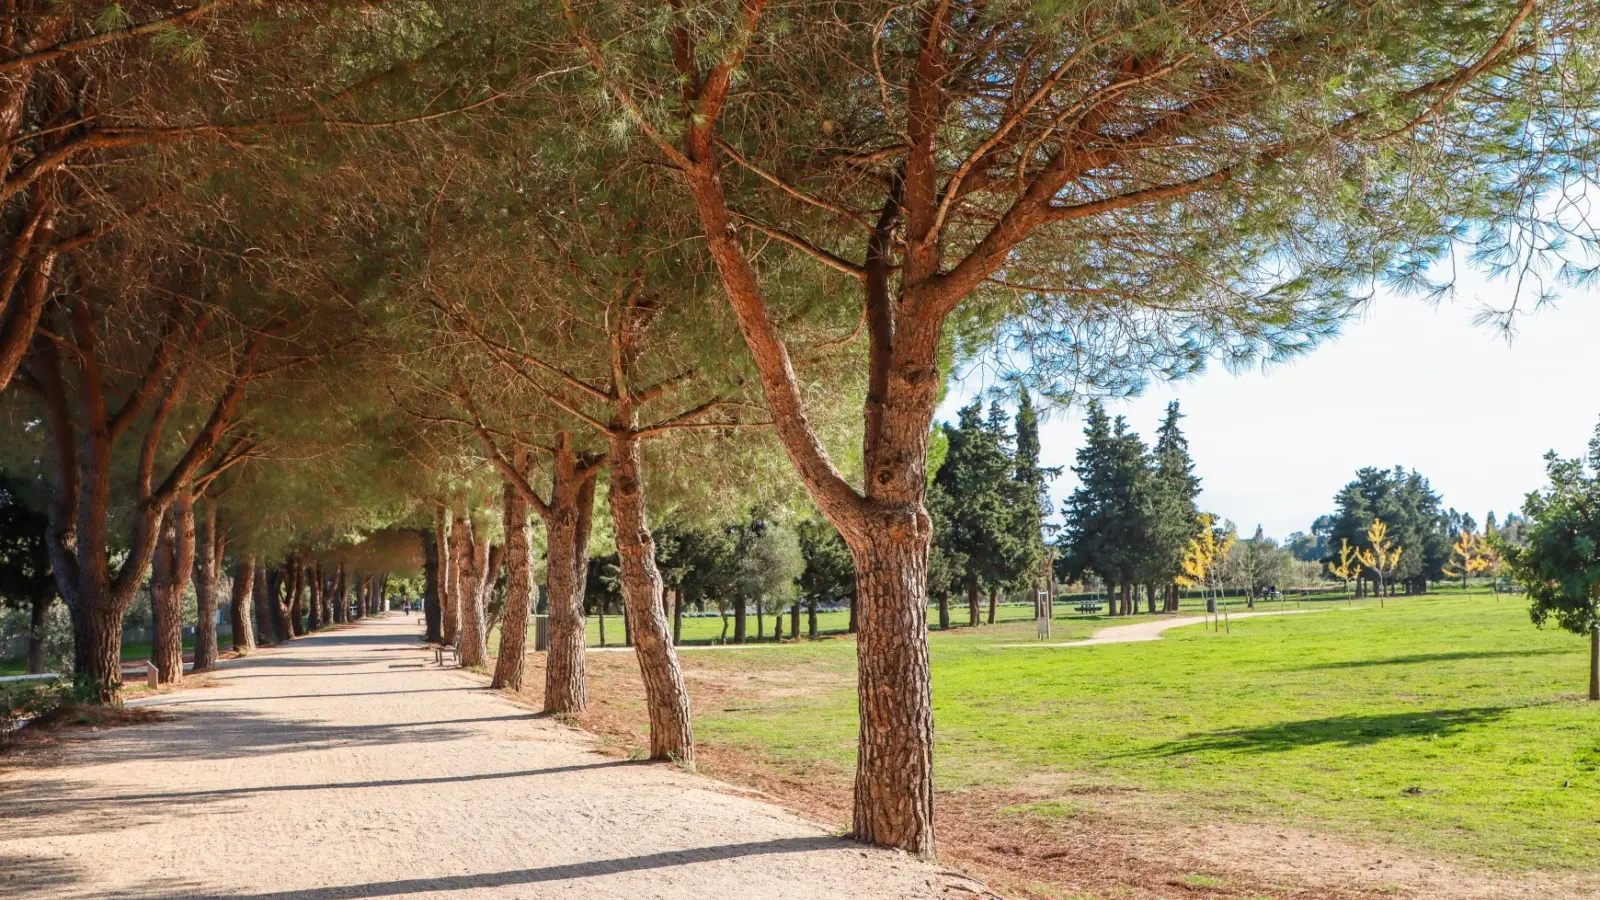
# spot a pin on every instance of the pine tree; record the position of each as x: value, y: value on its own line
x: 1177, y: 517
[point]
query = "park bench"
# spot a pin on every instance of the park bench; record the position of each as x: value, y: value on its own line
x: 439, y: 651
x: 1089, y: 606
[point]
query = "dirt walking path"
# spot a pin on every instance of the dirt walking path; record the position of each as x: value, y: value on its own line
x: 346, y: 766
x: 1152, y: 630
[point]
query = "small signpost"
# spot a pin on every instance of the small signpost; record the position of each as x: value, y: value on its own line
x: 152, y: 675
x: 1042, y: 612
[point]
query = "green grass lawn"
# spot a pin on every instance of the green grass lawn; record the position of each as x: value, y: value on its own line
x: 1446, y: 723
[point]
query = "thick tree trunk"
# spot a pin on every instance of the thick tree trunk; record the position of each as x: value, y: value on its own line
x: 944, y: 612
x: 244, y: 578
x: 740, y: 620
x: 567, y: 519
x: 666, y: 697
x: 169, y: 577
x: 761, y: 623
x: 811, y: 619
x: 37, y: 619
x: 207, y: 582
x: 512, y: 656
x: 894, y: 769
x: 430, y: 585
x: 472, y: 559
x: 794, y: 621
x: 974, y: 611
x: 777, y: 626
x: 994, y: 599
x: 854, y: 625
x: 341, y: 595
x: 677, y: 617
x: 103, y: 681
x: 1127, y: 598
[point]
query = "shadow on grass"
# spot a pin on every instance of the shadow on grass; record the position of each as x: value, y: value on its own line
x: 1420, y: 658
x: 1339, y: 731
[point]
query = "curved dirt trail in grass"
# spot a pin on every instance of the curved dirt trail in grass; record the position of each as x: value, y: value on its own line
x: 345, y: 765
x: 1152, y: 630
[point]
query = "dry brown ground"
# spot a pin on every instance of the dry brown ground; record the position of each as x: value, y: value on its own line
x: 1104, y: 843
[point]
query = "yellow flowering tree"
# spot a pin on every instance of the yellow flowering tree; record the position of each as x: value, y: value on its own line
x: 1204, y: 556
x: 1348, y: 565
x: 1469, y: 556
x: 1382, y: 557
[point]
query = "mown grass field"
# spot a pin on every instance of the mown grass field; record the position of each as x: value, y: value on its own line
x: 1447, y: 724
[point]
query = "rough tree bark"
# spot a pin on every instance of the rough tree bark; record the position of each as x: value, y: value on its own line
x: 666, y: 697
x: 207, y: 581
x: 471, y: 562
x: 169, y: 577
x: 511, y: 658
x: 244, y: 578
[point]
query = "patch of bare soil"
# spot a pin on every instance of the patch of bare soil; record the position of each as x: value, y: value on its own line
x: 1052, y: 837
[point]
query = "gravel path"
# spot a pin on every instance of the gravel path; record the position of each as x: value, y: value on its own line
x: 346, y: 766
x: 1151, y: 630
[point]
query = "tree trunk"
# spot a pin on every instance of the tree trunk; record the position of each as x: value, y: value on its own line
x: 341, y: 595
x: 430, y: 586
x: 511, y: 658
x: 677, y: 616
x: 169, y: 577
x: 855, y: 624
x: 296, y: 577
x: 761, y: 622
x: 1594, y: 664
x: 207, y: 578
x: 314, y: 590
x: 470, y: 562
x: 794, y: 621
x: 777, y: 626
x: 1127, y: 598
x: 671, y: 733
x: 37, y: 619
x: 1150, y: 599
x: 104, y: 651
x: 894, y: 770
x: 811, y: 617
x: 740, y: 626
x: 994, y: 599
x: 944, y: 612
x: 566, y: 519
x: 244, y: 578
x: 973, y: 613
x: 264, y: 633
x: 278, y: 582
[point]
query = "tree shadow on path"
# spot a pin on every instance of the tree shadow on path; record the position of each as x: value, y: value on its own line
x: 544, y: 874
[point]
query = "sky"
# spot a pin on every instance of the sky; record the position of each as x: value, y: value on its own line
x: 1408, y: 384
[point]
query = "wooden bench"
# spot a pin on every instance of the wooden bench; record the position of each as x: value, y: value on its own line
x: 1088, y: 606
x: 439, y: 651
